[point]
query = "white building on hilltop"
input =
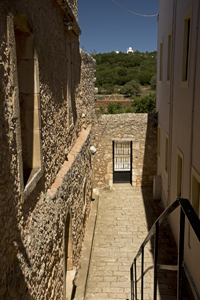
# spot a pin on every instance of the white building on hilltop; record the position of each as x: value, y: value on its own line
x: 129, y: 50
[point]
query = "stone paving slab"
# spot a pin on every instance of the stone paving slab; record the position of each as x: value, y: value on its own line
x: 125, y: 215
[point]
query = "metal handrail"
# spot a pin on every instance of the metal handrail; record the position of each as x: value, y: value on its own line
x: 187, y: 210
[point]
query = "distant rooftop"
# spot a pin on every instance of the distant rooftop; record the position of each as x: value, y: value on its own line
x: 129, y: 50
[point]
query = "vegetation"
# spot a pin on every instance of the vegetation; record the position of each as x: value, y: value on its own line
x: 153, y: 82
x: 131, y: 88
x: 145, y: 104
x: 116, y: 108
x: 124, y: 73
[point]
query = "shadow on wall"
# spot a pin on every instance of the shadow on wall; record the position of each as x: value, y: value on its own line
x: 57, y: 88
x: 150, y: 151
x: 167, y: 280
x: 51, y: 84
x: 13, y: 285
x: 13, y: 213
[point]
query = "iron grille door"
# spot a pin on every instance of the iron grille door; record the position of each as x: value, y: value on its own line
x: 122, y: 162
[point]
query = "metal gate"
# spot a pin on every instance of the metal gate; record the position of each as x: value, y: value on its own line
x: 122, y: 162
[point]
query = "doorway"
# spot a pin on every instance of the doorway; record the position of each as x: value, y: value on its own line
x: 122, y: 161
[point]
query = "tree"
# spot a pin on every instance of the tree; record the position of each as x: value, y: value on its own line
x: 131, y: 88
x: 122, y: 72
x: 119, y: 69
x: 145, y: 78
x: 153, y: 82
x: 146, y: 104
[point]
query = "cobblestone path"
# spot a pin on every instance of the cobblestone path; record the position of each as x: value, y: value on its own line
x: 124, y: 218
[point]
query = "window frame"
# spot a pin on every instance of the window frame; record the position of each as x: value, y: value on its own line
x: 179, y: 190
x: 166, y: 154
x: 32, y: 111
x: 158, y: 141
x: 196, y: 175
x: 161, y: 61
x: 186, y: 48
x: 169, y: 53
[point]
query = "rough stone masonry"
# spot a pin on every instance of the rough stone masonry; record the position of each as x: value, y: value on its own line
x: 141, y: 129
x: 47, y: 99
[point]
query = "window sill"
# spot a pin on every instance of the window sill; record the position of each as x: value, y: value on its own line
x: 184, y: 84
x: 34, y: 177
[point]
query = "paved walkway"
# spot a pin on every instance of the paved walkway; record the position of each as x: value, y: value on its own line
x: 125, y: 216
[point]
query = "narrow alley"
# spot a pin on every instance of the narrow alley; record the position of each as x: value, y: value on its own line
x: 125, y: 215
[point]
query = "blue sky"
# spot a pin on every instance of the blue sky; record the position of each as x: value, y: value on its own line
x: 106, y: 27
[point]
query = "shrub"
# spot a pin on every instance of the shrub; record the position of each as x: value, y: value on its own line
x: 107, y: 89
x: 153, y: 82
x: 118, y: 105
x: 145, y: 78
x: 111, y: 108
x: 131, y: 88
x: 146, y: 104
x: 102, y: 110
x: 122, y: 72
x: 128, y: 109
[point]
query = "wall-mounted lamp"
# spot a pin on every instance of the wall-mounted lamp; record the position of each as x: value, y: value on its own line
x: 93, y: 150
x: 67, y: 25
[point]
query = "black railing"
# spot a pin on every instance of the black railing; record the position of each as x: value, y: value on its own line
x: 185, y: 210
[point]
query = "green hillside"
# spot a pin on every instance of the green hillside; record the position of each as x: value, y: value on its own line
x: 125, y: 73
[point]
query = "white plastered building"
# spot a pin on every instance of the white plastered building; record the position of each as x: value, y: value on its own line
x: 178, y: 106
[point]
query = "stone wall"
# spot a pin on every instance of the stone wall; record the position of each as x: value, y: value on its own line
x: 42, y: 257
x: 85, y: 91
x: 141, y: 129
x: 32, y: 222
x: 73, y: 5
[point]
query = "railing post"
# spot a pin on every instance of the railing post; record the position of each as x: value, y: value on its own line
x: 132, y: 284
x: 180, y: 256
x: 135, y: 279
x: 156, y: 260
x: 142, y: 273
